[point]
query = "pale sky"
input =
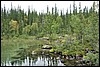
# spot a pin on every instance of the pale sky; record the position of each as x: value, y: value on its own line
x: 41, y: 6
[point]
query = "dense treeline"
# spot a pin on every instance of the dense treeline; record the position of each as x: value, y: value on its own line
x: 82, y: 24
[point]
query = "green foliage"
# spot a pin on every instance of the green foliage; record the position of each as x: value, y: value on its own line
x: 53, y: 36
x: 34, y: 26
x: 26, y: 30
x: 92, y: 57
x: 52, y: 50
x: 24, y: 36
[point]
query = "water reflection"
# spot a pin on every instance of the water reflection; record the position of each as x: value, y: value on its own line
x: 25, y: 57
x: 39, y: 61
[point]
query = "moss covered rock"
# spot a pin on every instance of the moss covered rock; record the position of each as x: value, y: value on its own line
x: 52, y: 50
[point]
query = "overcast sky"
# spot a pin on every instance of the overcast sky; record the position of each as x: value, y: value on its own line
x: 41, y: 6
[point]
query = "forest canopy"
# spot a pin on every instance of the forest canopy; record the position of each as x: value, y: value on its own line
x: 84, y: 24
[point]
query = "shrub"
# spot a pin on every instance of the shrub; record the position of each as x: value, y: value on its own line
x: 94, y: 58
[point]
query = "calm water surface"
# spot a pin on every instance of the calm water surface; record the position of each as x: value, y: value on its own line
x: 38, y: 61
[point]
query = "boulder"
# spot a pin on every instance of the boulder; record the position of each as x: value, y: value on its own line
x: 33, y: 52
x: 57, y: 58
x: 62, y: 60
x: 62, y: 41
x: 52, y: 50
x: 66, y: 35
x: 60, y: 37
x: 46, y: 47
x: 45, y: 38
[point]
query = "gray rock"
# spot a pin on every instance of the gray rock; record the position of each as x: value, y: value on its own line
x: 46, y: 47
x: 33, y: 52
x: 45, y: 38
x: 58, y: 58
